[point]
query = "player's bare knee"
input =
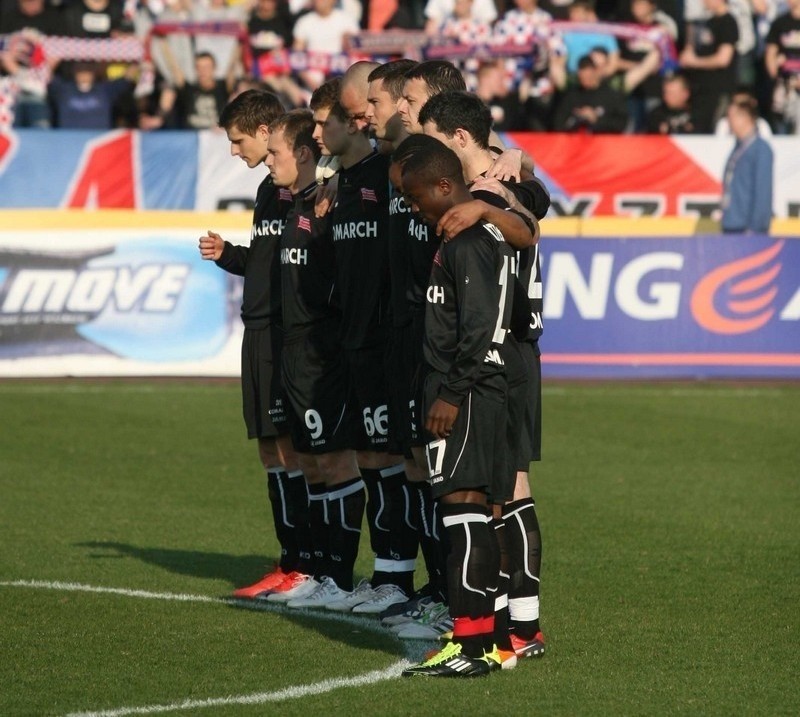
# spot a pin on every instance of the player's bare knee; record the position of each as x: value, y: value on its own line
x: 522, y: 486
x: 286, y: 453
x: 376, y: 460
x: 308, y: 464
x: 268, y: 453
x: 338, y: 466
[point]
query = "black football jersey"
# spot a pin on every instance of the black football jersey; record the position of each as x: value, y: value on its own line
x: 412, y: 245
x: 259, y: 263
x: 468, y: 312
x: 535, y: 198
x: 308, y: 272
x: 360, y: 225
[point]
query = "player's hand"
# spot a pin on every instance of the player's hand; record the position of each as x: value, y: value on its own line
x: 507, y: 167
x: 441, y: 418
x: 490, y: 184
x: 326, y: 197
x: 459, y: 217
x: 211, y: 246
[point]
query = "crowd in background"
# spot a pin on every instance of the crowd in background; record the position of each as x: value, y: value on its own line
x: 595, y: 66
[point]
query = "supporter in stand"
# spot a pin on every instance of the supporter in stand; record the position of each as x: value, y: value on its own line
x: 322, y: 30
x: 354, y: 8
x: 94, y: 19
x: 225, y: 48
x: 437, y: 11
x: 526, y: 19
x: 782, y: 60
x: 629, y: 80
x: 388, y: 15
x: 593, y: 106
x: 462, y: 27
x: 174, y: 49
x: 269, y: 28
x: 86, y: 100
x: 710, y: 59
x: 558, y: 9
x: 674, y: 115
x: 529, y: 24
x: 460, y: 24
x: 494, y: 88
x: 634, y: 51
x: 27, y: 15
x: 22, y: 61
x: 580, y: 43
x: 192, y: 105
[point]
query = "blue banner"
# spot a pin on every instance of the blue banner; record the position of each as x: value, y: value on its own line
x: 701, y: 306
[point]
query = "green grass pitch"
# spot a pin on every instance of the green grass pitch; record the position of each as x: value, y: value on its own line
x: 671, y: 563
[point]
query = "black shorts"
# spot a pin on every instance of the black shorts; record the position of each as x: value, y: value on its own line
x: 368, y: 396
x: 320, y: 419
x: 263, y: 397
x: 475, y: 453
x: 517, y: 374
x: 530, y: 439
x: 418, y: 374
x: 400, y: 369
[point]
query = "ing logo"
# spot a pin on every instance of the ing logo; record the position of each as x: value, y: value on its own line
x: 738, y: 297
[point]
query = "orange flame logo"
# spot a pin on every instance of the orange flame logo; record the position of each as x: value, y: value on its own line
x: 748, y: 286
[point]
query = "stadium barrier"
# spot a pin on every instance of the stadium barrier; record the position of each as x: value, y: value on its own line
x: 588, y: 176
x: 125, y: 293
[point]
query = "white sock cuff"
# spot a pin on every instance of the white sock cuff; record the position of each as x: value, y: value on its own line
x: 525, y: 609
x: 390, y: 471
x: 336, y: 494
x: 465, y: 518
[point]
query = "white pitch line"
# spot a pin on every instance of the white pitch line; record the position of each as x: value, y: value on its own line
x: 258, y: 698
x: 364, y: 623
x: 288, y: 693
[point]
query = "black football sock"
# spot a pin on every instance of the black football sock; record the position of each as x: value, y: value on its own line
x: 472, y: 567
x: 319, y: 528
x: 345, y: 512
x: 502, y: 637
x: 279, y: 498
x: 441, y: 539
x: 430, y: 532
x: 403, y: 541
x: 378, y: 517
x: 525, y: 562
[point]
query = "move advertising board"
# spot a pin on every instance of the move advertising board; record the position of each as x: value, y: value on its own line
x: 131, y: 296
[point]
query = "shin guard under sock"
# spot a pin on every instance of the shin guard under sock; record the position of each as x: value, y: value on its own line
x: 345, y: 513
x: 378, y: 521
x: 502, y: 637
x: 403, y: 540
x: 431, y: 534
x: 472, y: 567
x: 525, y: 556
x: 319, y: 529
x: 280, y: 502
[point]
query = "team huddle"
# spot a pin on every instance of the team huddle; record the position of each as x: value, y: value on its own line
x: 390, y: 362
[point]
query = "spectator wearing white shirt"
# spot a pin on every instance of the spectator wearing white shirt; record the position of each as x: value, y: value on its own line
x: 323, y: 30
x: 437, y: 11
